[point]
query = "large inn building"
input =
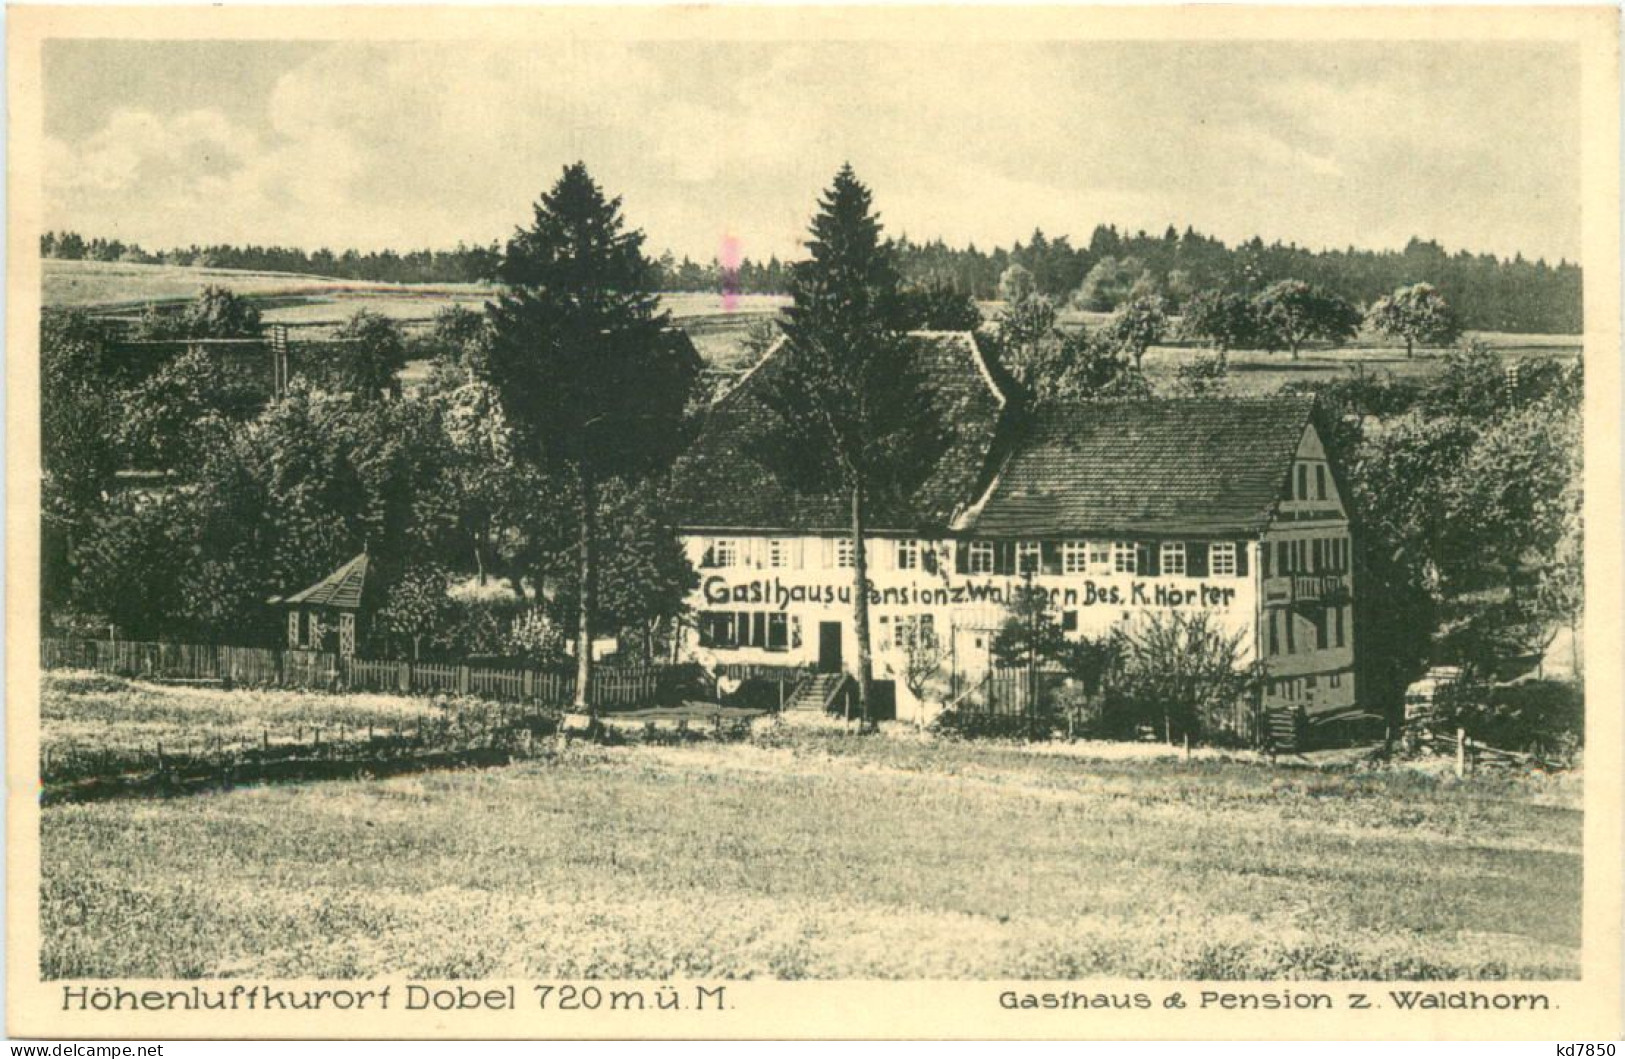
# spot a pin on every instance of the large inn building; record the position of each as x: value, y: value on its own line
x: 1119, y: 509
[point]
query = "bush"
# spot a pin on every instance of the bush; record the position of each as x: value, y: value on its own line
x: 1183, y: 676
x: 973, y: 722
x: 1544, y: 717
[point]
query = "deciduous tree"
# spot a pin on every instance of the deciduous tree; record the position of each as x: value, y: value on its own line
x: 1418, y: 314
x: 1292, y: 312
x: 367, y: 357
x: 1223, y: 319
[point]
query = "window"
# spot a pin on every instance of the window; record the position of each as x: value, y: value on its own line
x: 1069, y: 621
x: 1283, y: 557
x: 780, y: 553
x: 1123, y: 557
x: 908, y: 555
x: 1027, y: 557
x: 1221, y: 559
x: 725, y: 552
x: 844, y: 556
x: 1342, y: 634
x: 981, y: 557
x: 1100, y: 555
x: 772, y: 631
x: 916, y: 631
x: 1291, y: 637
x: 1303, y: 482
x: 1320, y: 481
x: 293, y: 628
x: 1336, y: 680
x: 1173, y: 558
x: 716, y: 628
x: 1074, y: 557
x: 1275, y: 632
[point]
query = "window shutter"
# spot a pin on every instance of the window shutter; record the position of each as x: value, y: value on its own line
x: 1146, y: 559
x: 1196, y: 558
x: 1049, y: 557
x: 961, y: 556
x: 1241, y: 558
x: 928, y: 556
x: 1263, y: 557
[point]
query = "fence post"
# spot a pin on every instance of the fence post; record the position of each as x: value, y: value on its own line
x: 1461, y: 752
x: 403, y: 677
x: 462, y: 680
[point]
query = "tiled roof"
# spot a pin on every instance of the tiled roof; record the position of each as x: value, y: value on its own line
x: 342, y: 588
x: 721, y: 481
x: 1196, y: 465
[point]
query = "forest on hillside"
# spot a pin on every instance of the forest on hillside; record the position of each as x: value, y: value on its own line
x: 1487, y: 293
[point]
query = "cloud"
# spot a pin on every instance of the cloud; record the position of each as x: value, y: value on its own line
x: 409, y: 145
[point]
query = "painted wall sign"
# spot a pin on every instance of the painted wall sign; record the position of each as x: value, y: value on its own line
x: 774, y: 592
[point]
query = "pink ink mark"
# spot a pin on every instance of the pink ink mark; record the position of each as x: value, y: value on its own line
x: 729, y: 259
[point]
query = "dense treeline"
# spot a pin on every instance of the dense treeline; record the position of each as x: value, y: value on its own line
x: 1486, y: 292
x: 464, y: 264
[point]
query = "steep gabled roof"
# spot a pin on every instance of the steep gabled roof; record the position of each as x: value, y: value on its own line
x: 342, y: 588
x: 722, y: 482
x: 1197, y: 465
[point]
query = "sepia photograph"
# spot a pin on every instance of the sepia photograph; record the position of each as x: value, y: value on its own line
x: 756, y: 503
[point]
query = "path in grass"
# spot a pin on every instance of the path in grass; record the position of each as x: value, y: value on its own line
x: 826, y: 856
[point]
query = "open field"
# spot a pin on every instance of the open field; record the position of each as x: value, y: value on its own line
x: 808, y: 853
x: 85, y: 711
x: 311, y: 301
x: 1256, y: 372
x: 315, y: 304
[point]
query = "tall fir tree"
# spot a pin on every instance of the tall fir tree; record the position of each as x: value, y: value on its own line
x: 590, y: 376
x: 850, y: 412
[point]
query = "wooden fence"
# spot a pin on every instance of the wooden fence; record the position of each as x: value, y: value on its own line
x: 268, y: 667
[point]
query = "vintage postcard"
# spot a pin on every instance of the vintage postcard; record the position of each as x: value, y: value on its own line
x: 664, y: 522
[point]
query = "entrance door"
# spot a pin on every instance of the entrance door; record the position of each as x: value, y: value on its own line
x: 829, y: 647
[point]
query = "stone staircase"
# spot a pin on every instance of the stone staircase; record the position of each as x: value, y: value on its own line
x: 1282, y: 732
x: 814, y: 693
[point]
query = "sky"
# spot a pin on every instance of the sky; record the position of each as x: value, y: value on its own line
x: 403, y: 145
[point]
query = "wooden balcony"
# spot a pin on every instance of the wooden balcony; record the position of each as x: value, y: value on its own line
x: 1287, y: 589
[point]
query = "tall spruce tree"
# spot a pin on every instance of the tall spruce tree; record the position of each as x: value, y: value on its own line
x: 850, y: 412
x: 591, y: 379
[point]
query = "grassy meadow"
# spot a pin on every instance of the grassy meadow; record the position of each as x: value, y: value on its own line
x: 813, y: 854
x: 80, y: 710
x: 316, y: 304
